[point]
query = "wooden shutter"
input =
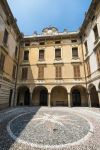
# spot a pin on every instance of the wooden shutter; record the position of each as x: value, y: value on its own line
x: 41, y: 54
x: 58, y: 53
x: 41, y: 72
x: 26, y: 55
x: 24, y: 73
x: 2, y: 60
x: 5, y: 38
x: 58, y: 72
x: 76, y: 71
x: 75, y: 52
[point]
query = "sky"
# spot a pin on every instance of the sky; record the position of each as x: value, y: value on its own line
x: 34, y: 15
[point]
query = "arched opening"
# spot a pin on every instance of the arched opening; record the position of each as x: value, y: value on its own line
x: 59, y: 96
x: 79, y: 96
x: 94, y: 96
x: 76, y: 98
x: 23, y: 96
x: 40, y: 96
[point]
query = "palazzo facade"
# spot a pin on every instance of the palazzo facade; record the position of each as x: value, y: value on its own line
x: 52, y: 68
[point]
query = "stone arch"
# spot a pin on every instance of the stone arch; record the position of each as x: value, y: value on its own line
x: 93, y: 95
x: 59, y: 96
x: 23, y: 97
x: 40, y: 96
x: 79, y: 96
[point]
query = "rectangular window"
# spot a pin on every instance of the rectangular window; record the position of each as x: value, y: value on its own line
x: 58, y: 53
x: 14, y: 72
x: 88, y: 67
x: 98, y: 58
x: 73, y: 41
x: 58, y: 71
x: 42, y: 43
x: 86, y: 47
x: 57, y: 42
x: 5, y: 38
x: 27, y: 43
x: 16, y: 52
x: 24, y: 73
x: 41, y: 72
x: 75, y: 52
x: 95, y: 29
x: 41, y: 54
x: 2, y: 61
x: 26, y: 55
x: 76, y: 71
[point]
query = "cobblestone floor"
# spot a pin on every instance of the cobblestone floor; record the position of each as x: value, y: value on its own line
x: 61, y: 128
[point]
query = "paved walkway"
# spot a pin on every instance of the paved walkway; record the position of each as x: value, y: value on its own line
x: 61, y: 128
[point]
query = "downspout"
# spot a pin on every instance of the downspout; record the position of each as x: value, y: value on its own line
x: 14, y: 102
x: 84, y: 63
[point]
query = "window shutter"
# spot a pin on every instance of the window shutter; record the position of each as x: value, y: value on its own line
x: 41, y: 72
x: 2, y: 60
x: 41, y: 54
x: 76, y: 71
x: 24, y: 73
x: 58, y: 53
x: 58, y: 72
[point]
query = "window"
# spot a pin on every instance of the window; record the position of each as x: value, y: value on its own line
x: 86, y: 47
x: 14, y: 72
x: 88, y: 67
x: 74, y: 52
x: 95, y: 29
x: 76, y: 71
x: 2, y: 60
x: 16, y: 52
x: 98, y: 57
x: 24, y: 73
x: 27, y: 43
x: 26, y: 55
x: 41, y: 54
x: 58, y: 71
x: 5, y: 38
x: 41, y: 72
x: 58, y: 53
x: 57, y: 42
x: 73, y: 41
x: 42, y: 43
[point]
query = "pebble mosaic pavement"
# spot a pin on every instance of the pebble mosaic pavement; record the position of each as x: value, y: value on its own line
x: 61, y: 128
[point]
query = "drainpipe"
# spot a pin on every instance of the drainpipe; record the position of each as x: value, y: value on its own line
x: 84, y: 63
x: 15, y: 88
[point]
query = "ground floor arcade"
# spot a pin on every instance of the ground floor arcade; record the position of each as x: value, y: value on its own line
x: 59, y: 96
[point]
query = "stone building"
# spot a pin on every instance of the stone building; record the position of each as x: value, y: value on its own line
x: 53, y: 68
x: 9, y: 47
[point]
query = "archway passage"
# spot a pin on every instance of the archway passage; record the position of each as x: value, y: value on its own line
x: 40, y: 96
x: 76, y: 98
x: 94, y: 97
x: 59, y: 96
x: 43, y: 98
x: 23, y: 96
x: 79, y: 96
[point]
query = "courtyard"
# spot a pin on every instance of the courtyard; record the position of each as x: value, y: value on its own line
x: 40, y: 128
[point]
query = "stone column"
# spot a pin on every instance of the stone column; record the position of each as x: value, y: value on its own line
x: 89, y: 100
x: 99, y: 97
x: 49, y: 99
x: 69, y: 100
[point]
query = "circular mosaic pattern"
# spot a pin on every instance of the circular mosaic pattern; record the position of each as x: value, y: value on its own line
x: 48, y: 128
